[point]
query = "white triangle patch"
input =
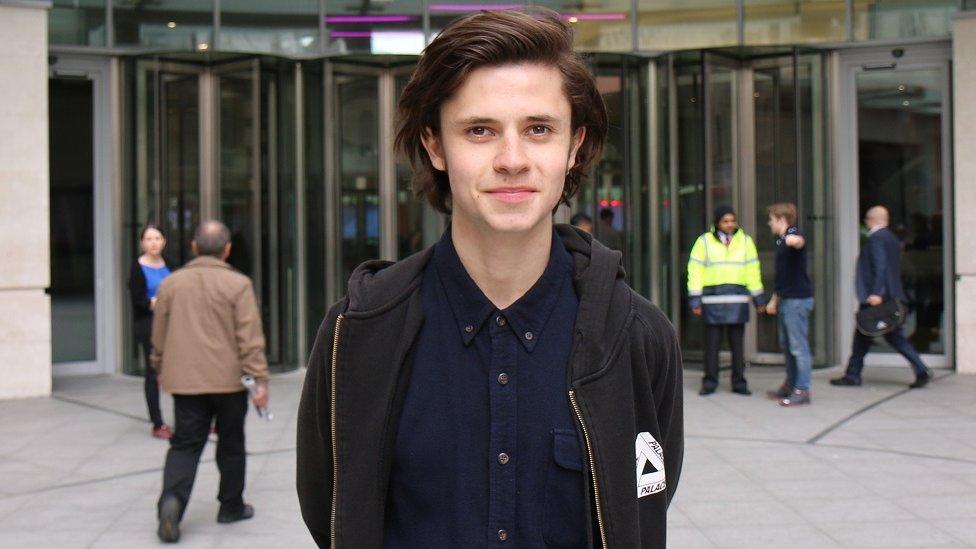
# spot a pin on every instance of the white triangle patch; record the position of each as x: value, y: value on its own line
x: 650, y: 465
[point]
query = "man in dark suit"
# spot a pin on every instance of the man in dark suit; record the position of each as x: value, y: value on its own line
x: 878, y: 280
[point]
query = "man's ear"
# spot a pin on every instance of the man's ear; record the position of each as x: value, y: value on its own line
x: 435, y: 150
x: 579, y: 136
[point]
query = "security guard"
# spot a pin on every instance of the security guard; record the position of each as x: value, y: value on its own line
x: 723, y: 278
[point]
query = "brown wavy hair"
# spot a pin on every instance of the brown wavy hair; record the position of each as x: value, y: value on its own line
x: 492, y: 39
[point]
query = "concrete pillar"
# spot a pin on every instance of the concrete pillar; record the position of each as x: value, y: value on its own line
x: 25, y: 308
x: 964, y: 203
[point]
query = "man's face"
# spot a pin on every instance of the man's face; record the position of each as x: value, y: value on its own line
x: 506, y: 143
x: 728, y: 224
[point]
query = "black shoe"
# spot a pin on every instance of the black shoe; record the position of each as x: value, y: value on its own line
x: 846, y: 382
x: 921, y: 380
x: 169, y: 520
x: 741, y: 390
x: 226, y: 515
x: 781, y: 393
x: 705, y: 391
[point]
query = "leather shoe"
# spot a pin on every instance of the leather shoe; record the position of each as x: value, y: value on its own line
x: 169, y: 520
x: 705, y: 391
x: 921, y: 380
x: 741, y: 391
x: 846, y: 382
x: 227, y: 515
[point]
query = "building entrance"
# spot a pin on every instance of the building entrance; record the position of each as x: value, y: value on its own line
x: 742, y: 128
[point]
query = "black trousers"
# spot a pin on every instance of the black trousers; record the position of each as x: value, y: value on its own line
x: 194, y: 414
x: 897, y: 339
x: 713, y: 342
x: 151, y: 384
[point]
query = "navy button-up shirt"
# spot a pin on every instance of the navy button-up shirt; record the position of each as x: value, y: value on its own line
x: 487, y: 453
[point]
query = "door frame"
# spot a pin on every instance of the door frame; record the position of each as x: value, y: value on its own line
x: 850, y: 64
x: 107, y: 187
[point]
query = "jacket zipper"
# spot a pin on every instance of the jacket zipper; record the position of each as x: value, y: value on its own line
x: 596, y: 485
x: 335, y: 442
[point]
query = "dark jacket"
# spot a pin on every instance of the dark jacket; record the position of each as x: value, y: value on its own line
x: 879, y: 267
x: 142, y: 315
x: 623, y: 381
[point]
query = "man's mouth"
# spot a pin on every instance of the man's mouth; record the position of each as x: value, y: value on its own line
x: 512, y: 194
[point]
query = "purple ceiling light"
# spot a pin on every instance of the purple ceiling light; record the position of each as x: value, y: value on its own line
x: 473, y: 7
x: 360, y: 19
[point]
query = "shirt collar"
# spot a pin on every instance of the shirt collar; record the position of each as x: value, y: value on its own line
x: 876, y: 228
x: 526, y: 317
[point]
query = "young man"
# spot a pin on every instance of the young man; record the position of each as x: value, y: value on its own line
x: 793, y: 300
x: 723, y: 277
x: 878, y: 279
x: 504, y: 388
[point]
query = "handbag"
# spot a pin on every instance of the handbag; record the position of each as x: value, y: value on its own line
x: 881, y: 319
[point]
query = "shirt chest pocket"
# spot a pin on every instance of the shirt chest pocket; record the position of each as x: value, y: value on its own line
x: 564, y: 523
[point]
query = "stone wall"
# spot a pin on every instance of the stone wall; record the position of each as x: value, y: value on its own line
x: 964, y: 201
x: 25, y: 308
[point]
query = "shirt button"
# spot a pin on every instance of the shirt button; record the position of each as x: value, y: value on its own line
x: 469, y: 328
x: 528, y: 336
x: 500, y: 320
x: 503, y: 458
x: 502, y: 535
x: 503, y: 379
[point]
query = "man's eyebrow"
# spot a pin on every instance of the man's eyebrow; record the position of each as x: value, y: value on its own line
x: 481, y: 120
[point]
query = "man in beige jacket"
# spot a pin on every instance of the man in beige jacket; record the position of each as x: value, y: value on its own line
x: 206, y: 334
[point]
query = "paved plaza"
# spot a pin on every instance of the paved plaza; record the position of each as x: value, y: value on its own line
x: 876, y: 466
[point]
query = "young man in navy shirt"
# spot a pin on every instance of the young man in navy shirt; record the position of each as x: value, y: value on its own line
x: 793, y: 301
x: 505, y: 387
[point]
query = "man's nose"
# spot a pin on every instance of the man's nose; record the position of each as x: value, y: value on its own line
x: 512, y: 158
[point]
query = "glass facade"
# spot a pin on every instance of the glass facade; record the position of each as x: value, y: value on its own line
x: 279, y: 118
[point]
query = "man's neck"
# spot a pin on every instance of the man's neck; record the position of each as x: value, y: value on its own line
x: 877, y: 228
x: 503, y: 265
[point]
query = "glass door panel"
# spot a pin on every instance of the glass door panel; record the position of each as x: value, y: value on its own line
x: 900, y: 166
x: 72, y: 222
x: 356, y: 134
x: 178, y: 143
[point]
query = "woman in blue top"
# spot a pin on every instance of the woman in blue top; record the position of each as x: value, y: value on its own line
x: 148, y: 271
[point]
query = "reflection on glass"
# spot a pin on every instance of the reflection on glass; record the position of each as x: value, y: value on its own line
x: 237, y: 177
x: 72, y: 222
x: 662, y: 277
x: 683, y: 24
x: 394, y: 27
x: 357, y: 137
x: 178, y: 141
x: 282, y: 26
x: 315, y: 227
x: 77, y: 22
x: 610, y: 220
x: 165, y: 24
x: 880, y: 19
x: 721, y: 128
x: 900, y: 167
x: 770, y: 22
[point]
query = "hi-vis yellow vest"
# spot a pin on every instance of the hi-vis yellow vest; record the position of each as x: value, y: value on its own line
x: 714, y: 264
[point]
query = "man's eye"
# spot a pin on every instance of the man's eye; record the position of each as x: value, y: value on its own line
x: 478, y: 132
x: 540, y: 130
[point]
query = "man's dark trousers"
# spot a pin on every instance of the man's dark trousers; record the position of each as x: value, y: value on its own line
x: 896, y: 339
x: 194, y: 414
x: 713, y: 342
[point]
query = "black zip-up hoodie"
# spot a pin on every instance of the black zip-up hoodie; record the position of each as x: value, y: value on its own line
x: 623, y: 382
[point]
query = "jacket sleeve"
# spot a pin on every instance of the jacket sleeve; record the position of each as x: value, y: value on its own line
x: 250, y: 335
x: 879, y: 267
x: 754, y: 273
x: 667, y: 388
x: 160, y: 327
x: 696, y: 270
x: 314, y: 447
x: 138, y: 291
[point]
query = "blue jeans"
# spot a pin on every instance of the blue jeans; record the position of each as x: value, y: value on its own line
x: 794, y: 331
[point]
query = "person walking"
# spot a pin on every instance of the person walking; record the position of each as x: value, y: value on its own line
x: 878, y: 280
x: 505, y: 387
x: 206, y: 335
x: 723, y: 278
x: 147, y: 273
x: 792, y: 300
